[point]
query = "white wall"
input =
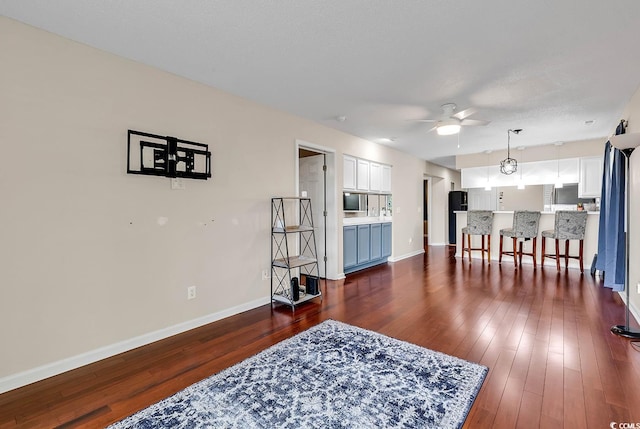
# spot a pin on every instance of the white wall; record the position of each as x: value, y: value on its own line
x: 87, y: 262
x: 632, y: 114
x: 529, y: 198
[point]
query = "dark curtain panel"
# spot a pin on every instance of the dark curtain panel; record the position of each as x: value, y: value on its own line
x: 611, y: 235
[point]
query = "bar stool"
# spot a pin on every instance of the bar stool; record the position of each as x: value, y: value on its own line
x: 525, y: 227
x: 569, y: 225
x: 479, y: 222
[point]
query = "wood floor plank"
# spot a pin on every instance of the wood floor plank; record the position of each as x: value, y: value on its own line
x: 544, y: 336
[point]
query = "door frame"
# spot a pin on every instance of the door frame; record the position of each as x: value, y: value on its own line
x: 331, y: 227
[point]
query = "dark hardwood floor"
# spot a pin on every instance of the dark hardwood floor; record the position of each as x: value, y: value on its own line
x: 545, y: 337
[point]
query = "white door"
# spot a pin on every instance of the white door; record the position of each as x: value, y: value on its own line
x: 311, y: 181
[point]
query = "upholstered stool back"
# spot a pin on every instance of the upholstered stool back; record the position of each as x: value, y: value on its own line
x: 479, y: 222
x: 525, y: 225
x: 570, y: 225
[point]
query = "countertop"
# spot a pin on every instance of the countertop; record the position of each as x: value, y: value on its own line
x: 366, y: 219
x: 511, y: 212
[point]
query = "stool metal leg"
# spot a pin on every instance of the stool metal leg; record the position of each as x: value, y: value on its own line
x: 558, y: 254
x: 500, y: 255
x: 469, y: 245
x: 566, y: 254
x: 515, y: 251
x: 488, y: 249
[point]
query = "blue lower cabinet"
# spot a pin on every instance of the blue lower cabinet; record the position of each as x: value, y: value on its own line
x: 366, y: 245
x: 376, y: 241
x: 364, y: 251
x: 386, y: 240
x: 350, y: 246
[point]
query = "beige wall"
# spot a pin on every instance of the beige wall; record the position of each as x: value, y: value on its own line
x: 574, y: 149
x: 86, y: 259
x: 632, y: 114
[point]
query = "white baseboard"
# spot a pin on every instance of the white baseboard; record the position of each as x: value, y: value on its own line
x: 45, y: 371
x: 405, y: 256
x: 632, y: 309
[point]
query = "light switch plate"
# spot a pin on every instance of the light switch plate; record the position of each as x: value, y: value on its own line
x: 177, y: 183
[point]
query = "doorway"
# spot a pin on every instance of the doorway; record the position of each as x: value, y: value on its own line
x: 315, y: 171
x: 426, y: 206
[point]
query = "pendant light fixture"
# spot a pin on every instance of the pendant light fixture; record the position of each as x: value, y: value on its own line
x: 559, y: 183
x: 509, y: 165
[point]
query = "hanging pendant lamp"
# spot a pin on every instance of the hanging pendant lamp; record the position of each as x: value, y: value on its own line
x: 509, y: 165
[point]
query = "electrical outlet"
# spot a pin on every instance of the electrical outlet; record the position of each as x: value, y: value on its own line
x: 191, y: 292
x: 638, y: 288
x: 265, y: 275
x: 410, y: 240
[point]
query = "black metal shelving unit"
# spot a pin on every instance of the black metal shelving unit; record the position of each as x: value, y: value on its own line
x: 293, y: 252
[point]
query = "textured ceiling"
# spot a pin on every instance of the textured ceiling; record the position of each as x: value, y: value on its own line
x: 544, y: 66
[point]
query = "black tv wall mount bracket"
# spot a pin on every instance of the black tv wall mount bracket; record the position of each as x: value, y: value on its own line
x: 155, y: 155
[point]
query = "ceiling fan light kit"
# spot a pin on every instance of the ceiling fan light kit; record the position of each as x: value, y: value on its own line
x: 448, y: 129
x: 451, y: 123
x: 509, y: 165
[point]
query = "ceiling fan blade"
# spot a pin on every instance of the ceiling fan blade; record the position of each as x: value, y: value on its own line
x: 465, y: 113
x: 424, y: 120
x: 473, y: 122
x: 432, y: 129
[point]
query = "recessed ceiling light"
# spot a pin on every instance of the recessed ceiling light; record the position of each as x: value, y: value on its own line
x: 341, y: 118
x: 386, y: 140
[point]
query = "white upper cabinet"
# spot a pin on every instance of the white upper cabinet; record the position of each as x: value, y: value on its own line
x: 365, y: 176
x: 375, y: 177
x: 386, y: 178
x: 590, y: 181
x: 349, y: 172
x: 362, y: 182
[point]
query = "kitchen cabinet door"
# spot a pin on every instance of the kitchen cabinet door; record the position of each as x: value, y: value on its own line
x: 350, y: 246
x: 590, y: 180
x: 364, y: 244
x: 349, y: 173
x: 362, y: 182
x: 376, y: 241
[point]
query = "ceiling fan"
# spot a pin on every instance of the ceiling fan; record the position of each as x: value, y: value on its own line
x: 450, y: 123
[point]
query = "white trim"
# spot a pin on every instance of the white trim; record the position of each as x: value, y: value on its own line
x: 438, y: 244
x: 20, y: 379
x: 331, y: 270
x: 405, y: 256
x: 307, y: 145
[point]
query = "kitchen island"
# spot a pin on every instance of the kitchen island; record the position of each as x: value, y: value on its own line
x: 504, y: 219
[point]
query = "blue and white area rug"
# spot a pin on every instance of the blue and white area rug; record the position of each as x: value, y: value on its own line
x: 332, y: 375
